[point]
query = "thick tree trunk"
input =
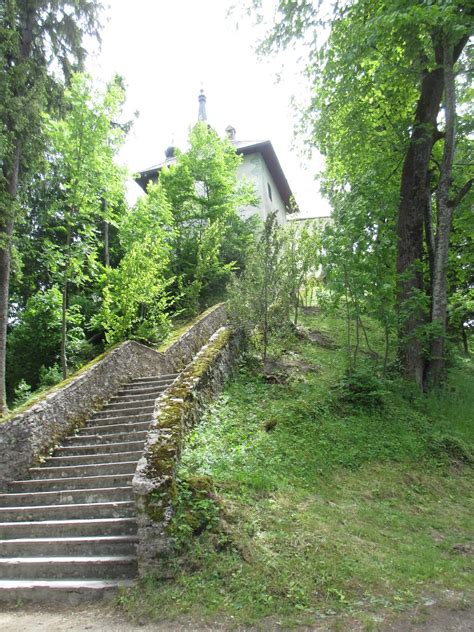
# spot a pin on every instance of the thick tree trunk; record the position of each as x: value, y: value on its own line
x: 411, y: 215
x: 411, y: 211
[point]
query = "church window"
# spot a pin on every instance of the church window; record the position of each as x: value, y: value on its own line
x: 269, y: 191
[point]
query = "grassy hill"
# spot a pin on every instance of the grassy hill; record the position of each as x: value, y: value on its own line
x: 309, y: 496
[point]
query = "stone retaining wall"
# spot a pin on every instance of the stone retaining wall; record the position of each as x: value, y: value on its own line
x: 175, y: 414
x: 27, y: 437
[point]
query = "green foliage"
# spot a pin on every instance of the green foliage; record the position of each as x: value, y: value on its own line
x: 368, y: 115
x: 300, y: 262
x: 196, y: 510
x: 37, y: 40
x: 38, y: 327
x: 361, y: 387
x: 209, y: 236
x: 257, y: 300
x: 49, y: 376
x: 22, y: 393
x: 83, y: 145
x: 450, y: 449
x: 266, y: 297
x: 136, y: 298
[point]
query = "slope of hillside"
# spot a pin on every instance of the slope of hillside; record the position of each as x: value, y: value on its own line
x: 307, y: 496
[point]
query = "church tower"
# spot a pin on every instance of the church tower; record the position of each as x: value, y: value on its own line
x: 202, y: 115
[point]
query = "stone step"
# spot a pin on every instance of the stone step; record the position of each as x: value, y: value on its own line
x: 95, y: 458
x: 66, y: 496
x: 68, y: 528
x: 69, y: 546
x: 85, y: 469
x: 138, y: 397
x: 72, y: 483
x: 137, y: 390
x: 72, y: 511
x: 67, y: 591
x: 167, y: 377
x: 121, y: 415
x: 104, y: 438
x: 100, y: 448
x: 111, y: 421
x: 123, y: 405
x: 99, y: 428
x: 93, y: 567
x: 69, y: 533
x: 149, y: 383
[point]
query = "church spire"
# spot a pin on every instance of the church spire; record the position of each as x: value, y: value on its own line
x: 202, y: 116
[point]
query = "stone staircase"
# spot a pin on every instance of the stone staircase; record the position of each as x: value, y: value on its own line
x: 68, y: 532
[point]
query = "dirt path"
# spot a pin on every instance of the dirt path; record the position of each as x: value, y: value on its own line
x: 100, y: 619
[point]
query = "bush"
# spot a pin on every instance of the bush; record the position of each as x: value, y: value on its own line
x: 448, y: 448
x: 196, y: 509
x: 361, y: 387
x: 49, y: 376
x: 22, y: 394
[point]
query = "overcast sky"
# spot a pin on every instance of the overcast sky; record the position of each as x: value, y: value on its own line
x: 167, y: 50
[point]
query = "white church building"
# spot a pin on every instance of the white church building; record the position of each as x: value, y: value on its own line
x: 260, y: 166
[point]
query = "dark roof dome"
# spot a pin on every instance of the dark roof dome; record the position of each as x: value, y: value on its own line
x: 170, y: 151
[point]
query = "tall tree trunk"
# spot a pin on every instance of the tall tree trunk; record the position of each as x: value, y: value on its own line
x: 411, y: 210
x: 63, y: 351
x: 429, y: 233
x: 6, y: 233
x: 445, y: 215
x: 11, y: 171
x: 63, y: 354
x: 413, y: 196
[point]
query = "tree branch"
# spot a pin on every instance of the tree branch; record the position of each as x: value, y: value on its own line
x: 437, y: 135
x: 461, y: 194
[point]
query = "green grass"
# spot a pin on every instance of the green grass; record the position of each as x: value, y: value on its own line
x: 335, y: 509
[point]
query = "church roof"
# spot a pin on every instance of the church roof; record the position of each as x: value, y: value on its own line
x: 243, y: 147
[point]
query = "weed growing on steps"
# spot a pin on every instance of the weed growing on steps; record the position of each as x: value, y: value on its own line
x: 330, y: 508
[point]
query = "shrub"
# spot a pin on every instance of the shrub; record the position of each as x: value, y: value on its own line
x: 361, y: 387
x: 448, y: 448
x: 49, y: 376
x: 22, y: 393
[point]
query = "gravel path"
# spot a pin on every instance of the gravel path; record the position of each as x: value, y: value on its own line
x: 101, y: 619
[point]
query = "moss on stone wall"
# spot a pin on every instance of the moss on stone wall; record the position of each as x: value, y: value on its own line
x: 175, y: 407
x: 180, y: 331
x: 42, y: 395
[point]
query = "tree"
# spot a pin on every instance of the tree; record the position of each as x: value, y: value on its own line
x: 34, y: 35
x: 378, y: 87
x: 83, y: 145
x: 136, y: 300
x: 301, y: 257
x: 204, y: 194
x: 259, y: 300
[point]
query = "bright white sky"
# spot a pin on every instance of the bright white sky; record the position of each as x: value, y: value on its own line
x: 167, y: 50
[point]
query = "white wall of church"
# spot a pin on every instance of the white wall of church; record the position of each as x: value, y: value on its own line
x: 254, y: 170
